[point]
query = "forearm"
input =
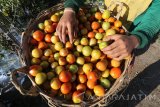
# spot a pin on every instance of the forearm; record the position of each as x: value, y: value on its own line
x: 74, y: 4
x: 149, y: 25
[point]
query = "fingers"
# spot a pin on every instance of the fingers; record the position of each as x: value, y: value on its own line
x: 70, y: 32
x: 111, y: 47
x: 123, y: 56
x: 63, y: 35
x: 59, y: 30
x: 112, y: 37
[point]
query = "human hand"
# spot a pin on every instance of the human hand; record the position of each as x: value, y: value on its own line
x: 67, y: 25
x: 121, y: 47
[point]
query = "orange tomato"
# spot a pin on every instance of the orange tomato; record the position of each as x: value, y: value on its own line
x: 66, y: 88
x: 54, y: 18
x: 101, y: 65
x: 116, y: 28
x: 68, y: 45
x: 65, y: 76
x: 63, y: 52
x: 95, y: 31
x: 77, y: 96
x: 62, y: 61
x: 81, y: 87
x: 92, y: 76
x: 38, y: 67
x: 98, y: 15
x: 111, y: 19
x: 82, y: 78
x: 70, y: 58
x: 100, y: 30
x: 49, y: 29
x: 115, y: 72
x: 118, y: 23
x: 34, y: 72
x: 99, y: 90
x: 122, y: 31
x: 47, y: 37
x: 91, y: 34
x: 38, y: 35
x: 95, y: 25
x: 91, y: 84
x: 42, y: 45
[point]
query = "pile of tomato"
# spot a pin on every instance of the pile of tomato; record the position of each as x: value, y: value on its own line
x: 80, y: 70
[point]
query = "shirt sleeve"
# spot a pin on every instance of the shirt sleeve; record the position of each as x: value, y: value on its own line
x: 149, y: 25
x: 74, y: 4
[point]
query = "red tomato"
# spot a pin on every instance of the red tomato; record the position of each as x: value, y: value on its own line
x: 38, y: 35
x: 65, y: 76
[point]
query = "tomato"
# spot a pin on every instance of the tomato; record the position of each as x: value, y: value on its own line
x: 92, y: 76
x: 91, y: 34
x: 47, y: 22
x: 100, y: 30
x: 68, y: 45
x: 87, y: 68
x: 77, y: 96
x: 54, y: 18
x: 40, y: 78
x: 48, y: 52
x: 55, y: 39
x: 115, y: 72
x: 55, y: 84
x: 99, y: 90
x: 115, y: 63
x: 101, y: 65
x: 38, y: 35
x: 48, y: 37
x: 98, y: 15
x: 111, y: 19
x: 35, y: 61
x: 62, y: 61
x: 65, y: 76
x: 82, y: 78
x: 63, y: 52
x: 122, y: 31
x: 36, y: 53
x: 81, y: 87
x: 118, y: 23
x: 34, y: 72
x: 70, y: 58
x: 49, y: 29
x: 95, y: 25
x: 42, y: 45
x: 36, y: 67
x: 66, y: 88
x: 91, y: 84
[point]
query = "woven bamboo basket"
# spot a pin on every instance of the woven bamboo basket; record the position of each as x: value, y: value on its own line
x: 35, y: 90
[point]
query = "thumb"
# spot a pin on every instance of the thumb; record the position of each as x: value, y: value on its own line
x: 112, y: 37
